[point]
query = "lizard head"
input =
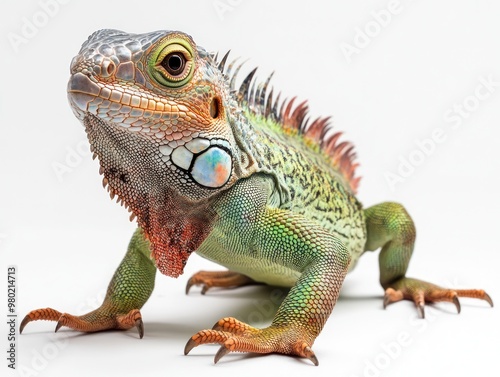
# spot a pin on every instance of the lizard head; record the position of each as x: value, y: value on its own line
x: 157, y: 112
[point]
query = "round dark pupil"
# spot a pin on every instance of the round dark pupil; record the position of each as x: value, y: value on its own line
x: 173, y: 63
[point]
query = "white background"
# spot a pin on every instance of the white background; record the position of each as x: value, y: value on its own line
x: 66, y: 237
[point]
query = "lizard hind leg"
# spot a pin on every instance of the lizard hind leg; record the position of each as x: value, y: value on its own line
x: 391, y: 228
x: 221, y: 279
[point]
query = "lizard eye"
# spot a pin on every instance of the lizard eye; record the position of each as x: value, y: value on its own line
x: 174, y: 63
x: 171, y: 63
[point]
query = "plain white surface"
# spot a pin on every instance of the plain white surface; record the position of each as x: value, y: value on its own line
x: 66, y: 237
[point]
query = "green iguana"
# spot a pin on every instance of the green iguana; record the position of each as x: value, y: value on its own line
x: 237, y: 175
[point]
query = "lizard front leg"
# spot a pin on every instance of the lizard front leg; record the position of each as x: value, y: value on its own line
x: 128, y: 291
x: 289, y: 240
x: 390, y: 227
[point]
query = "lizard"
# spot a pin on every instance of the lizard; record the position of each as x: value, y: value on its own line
x: 239, y: 176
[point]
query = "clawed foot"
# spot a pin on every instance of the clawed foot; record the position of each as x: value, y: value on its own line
x: 222, y: 279
x: 421, y: 292
x: 97, y: 320
x: 236, y: 336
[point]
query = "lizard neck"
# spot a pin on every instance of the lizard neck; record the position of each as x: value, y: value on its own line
x: 175, y: 224
x: 175, y: 229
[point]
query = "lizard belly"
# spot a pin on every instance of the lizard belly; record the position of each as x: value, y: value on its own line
x: 268, y: 273
x: 228, y: 251
x: 242, y: 261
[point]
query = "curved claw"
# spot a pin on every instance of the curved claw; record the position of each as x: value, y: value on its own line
x: 391, y: 295
x: 387, y: 300
x: 309, y: 354
x: 457, y: 304
x: 189, y: 346
x: 421, y: 310
x: 60, y: 323
x: 58, y: 326
x: 189, y: 285
x: 223, y: 351
x: 204, y: 289
x: 25, y: 321
x: 140, y: 327
x: 488, y: 299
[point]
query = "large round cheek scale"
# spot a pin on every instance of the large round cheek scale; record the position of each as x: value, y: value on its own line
x: 212, y: 168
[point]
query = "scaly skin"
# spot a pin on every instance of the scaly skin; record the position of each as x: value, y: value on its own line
x: 239, y: 177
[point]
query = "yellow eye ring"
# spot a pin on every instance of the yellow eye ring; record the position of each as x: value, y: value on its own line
x: 171, y: 63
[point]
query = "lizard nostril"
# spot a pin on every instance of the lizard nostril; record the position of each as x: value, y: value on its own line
x: 108, y: 67
x: 214, y: 107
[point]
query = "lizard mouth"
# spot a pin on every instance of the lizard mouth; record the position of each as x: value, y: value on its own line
x: 132, y: 107
x: 82, y: 91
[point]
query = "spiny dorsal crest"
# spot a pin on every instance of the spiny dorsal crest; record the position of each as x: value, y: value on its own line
x: 292, y: 119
